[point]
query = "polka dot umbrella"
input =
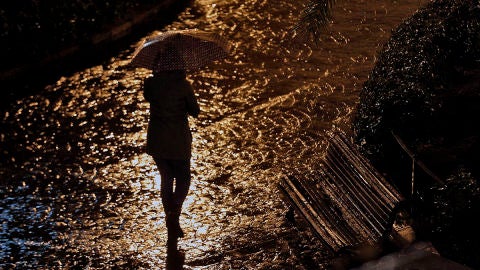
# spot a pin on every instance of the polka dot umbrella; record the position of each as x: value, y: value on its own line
x: 180, y: 50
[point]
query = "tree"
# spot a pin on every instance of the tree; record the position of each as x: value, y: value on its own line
x: 314, y: 18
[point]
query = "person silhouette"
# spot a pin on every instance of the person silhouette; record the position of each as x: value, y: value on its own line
x: 169, y: 140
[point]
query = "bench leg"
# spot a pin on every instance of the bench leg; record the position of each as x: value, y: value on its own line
x: 290, y: 214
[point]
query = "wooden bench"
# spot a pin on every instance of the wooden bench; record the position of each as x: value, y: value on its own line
x: 347, y: 202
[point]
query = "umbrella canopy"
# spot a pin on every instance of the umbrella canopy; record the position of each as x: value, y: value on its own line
x: 180, y: 50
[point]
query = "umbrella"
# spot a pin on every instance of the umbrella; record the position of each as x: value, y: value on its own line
x: 180, y: 50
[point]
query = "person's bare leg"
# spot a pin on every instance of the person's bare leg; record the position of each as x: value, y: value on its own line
x: 181, y: 171
x: 167, y: 173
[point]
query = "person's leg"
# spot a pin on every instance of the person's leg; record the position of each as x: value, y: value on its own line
x: 173, y: 173
x: 181, y: 171
x: 181, y: 174
x: 166, y: 184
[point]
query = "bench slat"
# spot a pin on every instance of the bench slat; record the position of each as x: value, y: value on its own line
x: 347, y: 202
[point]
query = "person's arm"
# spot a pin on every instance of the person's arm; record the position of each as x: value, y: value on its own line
x: 193, y: 108
x: 147, y: 89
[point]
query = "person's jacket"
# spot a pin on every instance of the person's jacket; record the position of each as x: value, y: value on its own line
x: 171, y: 100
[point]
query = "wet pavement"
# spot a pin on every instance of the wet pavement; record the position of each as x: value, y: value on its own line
x: 78, y: 190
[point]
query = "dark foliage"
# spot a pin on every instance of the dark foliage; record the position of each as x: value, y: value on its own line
x: 31, y: 30
x: 314, y: 18
x: 416, y: 71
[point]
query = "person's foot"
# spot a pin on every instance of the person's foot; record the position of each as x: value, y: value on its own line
x: 175, y: 257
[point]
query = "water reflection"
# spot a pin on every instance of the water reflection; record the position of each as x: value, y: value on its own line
x: 79, y: 192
